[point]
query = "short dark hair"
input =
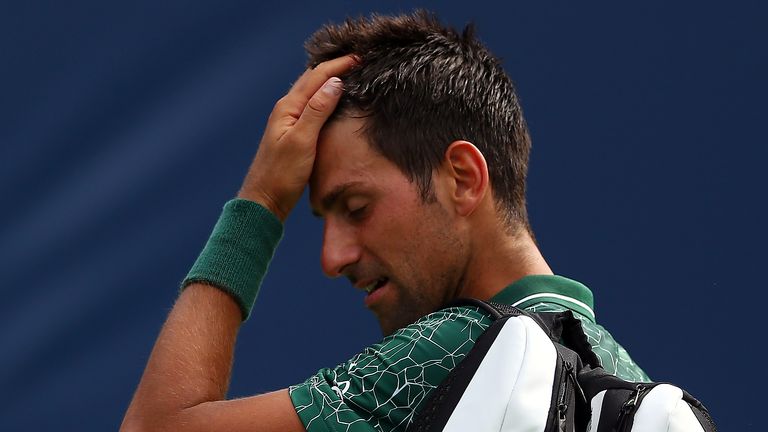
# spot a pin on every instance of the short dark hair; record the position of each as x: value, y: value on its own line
x: 422, y: 85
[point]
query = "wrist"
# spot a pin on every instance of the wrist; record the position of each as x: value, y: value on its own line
x: 265, y: 200
x: 238, y: 252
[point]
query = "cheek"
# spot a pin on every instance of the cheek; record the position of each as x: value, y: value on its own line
x: 429, y: 249
x: 441, y: 252
x: 414, y: 241
x: 391, y: 227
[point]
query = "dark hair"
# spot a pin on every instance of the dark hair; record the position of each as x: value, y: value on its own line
x: 421, y: 86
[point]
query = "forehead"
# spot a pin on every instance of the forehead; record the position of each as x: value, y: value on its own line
x: 344, y: 157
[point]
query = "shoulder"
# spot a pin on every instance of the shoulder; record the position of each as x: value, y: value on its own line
x: 613, y: 357
x: 451, y: 326
x: 385, y: 383
x: 442, y: 336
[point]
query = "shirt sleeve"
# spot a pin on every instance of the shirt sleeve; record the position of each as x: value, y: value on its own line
x: 382, y: 387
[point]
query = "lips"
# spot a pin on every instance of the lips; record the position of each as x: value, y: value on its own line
x: 375, y: 284
x: 378, y: 290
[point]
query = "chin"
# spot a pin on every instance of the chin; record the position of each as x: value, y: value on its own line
x: 390, y: 325
x: 392, y: 319
x: 387, y: 328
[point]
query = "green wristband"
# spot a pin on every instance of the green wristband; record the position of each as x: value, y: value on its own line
x: 237, y: 254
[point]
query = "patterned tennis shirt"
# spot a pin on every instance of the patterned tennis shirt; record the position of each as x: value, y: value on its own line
x: 381, y: 388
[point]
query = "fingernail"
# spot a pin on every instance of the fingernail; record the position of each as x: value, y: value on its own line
x: 333, y: 86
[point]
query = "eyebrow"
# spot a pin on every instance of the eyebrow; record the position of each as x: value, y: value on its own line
x: 330, y: 199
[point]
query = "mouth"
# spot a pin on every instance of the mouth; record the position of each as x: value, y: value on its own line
x: 376, y: 291
x: 375, y: 285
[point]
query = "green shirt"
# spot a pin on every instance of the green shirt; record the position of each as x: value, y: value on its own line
x: 381, y: 388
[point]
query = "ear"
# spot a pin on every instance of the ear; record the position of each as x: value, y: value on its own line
x: 467, y: 171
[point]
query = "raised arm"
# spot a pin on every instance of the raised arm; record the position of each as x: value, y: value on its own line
x: 184, y: 385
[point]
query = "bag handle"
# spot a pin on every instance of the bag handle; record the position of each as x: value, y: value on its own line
x: 573, y: 336
x: 560, y: 326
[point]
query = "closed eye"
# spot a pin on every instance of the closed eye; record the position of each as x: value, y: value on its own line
x: 358, y: 213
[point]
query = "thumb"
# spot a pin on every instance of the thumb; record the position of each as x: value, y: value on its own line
x: 319, y: 108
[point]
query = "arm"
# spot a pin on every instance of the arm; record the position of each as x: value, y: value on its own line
x: 187, y: 375
x: 185, y: 382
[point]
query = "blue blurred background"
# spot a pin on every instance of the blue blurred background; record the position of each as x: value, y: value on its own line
x: 125, y: 126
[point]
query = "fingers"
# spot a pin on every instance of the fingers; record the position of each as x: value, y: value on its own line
x: 284, y: 161
x: 282, y: 165
x: 318, y: 109
x: 312, y: 79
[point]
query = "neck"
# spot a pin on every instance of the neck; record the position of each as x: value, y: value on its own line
x: 499, y: 260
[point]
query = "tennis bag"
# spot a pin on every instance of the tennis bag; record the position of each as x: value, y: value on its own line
x: 537, y: 372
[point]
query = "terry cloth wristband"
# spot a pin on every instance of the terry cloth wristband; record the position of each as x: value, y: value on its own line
x: 237, y: 254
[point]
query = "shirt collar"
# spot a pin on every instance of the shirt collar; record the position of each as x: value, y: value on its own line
x: 534, y: 289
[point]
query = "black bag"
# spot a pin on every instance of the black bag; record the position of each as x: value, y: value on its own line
x: 537, y: 372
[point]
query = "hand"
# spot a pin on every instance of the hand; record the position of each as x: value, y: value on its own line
x: 283, y: 163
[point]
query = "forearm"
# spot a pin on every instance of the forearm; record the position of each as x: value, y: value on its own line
x: 191, y: 361
x: 185, y: 382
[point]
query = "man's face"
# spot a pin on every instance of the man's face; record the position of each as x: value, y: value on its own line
x: 379, y: 233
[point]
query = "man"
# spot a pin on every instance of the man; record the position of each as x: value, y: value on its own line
x: 417, y: 165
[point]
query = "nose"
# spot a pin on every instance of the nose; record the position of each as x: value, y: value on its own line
x: 340, y: 247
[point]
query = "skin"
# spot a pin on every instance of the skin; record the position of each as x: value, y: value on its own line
x: 184, y: 385
x: 375, y: 225
x: 369, y: 229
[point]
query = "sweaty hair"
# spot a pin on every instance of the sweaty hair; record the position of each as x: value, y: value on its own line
x: 421, y: 86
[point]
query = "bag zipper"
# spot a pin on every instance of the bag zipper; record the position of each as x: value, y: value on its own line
x: 627, y: 413
x: 553, y: 416
x: 562, y: 400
